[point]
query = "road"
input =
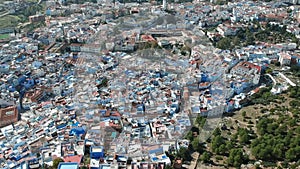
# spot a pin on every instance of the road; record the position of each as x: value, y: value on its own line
x: 23, y: 24
x: 6, y: 13
x: 287, y: 79
x: 273, y: 79
x: 194, y: 162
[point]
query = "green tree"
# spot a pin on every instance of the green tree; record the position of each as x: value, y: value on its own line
x: 224, y: 43
x: 236, y: 158
x: 271, y: 127
x: 236, y: 41
x: 262, y: 125
x: 244, y: 138
x: 168, y: 167
x: 197, y: 146
x: 295, y: 142
x: 84, y: 167
x: 229, y: 145
x: 269, y: 70
x: 234, y: 137
x: 56, y: 162
x: 278, y: 151
x: 200, y: 120
x: 262, y: 151
x: 184, y: 153
x: 244, y: 114
x: 216, y: 143
x: 297, y: 130
x: 294, y: 103
x: 205, y: 157
x: 189, y: 136
x: 244, y: 135
x: 291, y: 154
x: 249, y: 37
x: 281, y: 130
x: 186, y: 49
x: 217, y: 132
x: 222, y: 149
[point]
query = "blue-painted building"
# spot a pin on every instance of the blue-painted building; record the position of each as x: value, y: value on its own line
x: 96, y: 152
x: 21, y: 58
x: 239, y: 87
x: 140, y: 109
x: 229, y: 106
x: 37, y: 64
x: 29, y: 83
x: 256, y: 56
x: 174, y: 108
x: 77, y: 131
x: 33, y: 163
x: 204, y: 78
x: 48, y: 12
x: 4, y: 68
x: 21, y: 79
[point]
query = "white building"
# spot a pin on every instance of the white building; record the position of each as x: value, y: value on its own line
x: 164, y: 4
x: 227, y: 30
x: 284, y: 59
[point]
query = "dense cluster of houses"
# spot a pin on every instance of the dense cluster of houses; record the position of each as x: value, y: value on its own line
x: 77, y: 90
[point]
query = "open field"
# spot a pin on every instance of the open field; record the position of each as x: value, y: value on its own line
x: 9, y: 21
x: 4, y: 36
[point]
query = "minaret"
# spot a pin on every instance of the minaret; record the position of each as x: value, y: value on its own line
x: 164, y: 4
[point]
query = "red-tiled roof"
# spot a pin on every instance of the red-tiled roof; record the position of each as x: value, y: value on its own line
x: 250, y: 65
x: 147, y: 38
x: 256, y: 90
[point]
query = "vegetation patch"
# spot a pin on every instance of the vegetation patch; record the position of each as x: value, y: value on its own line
x: 9, y: 21
x: 267, y: 130
x: 257, y: 33
x: 4, y: 36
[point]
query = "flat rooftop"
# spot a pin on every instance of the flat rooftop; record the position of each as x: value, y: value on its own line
x: 97, y: 149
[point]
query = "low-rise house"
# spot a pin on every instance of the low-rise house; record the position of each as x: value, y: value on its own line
x: 91, y: 48
x: 75, y: 47
x: 73, y: 159
x: 36, y: 18
x: 158, y: 155
x: 247, y: 69
x: 295, y: 59
x: 8, y: 113
x: 239, y: 86
x: 256, y: 55
x: 284, y: 59
x: 96, y: 156
x: 227, y: 30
